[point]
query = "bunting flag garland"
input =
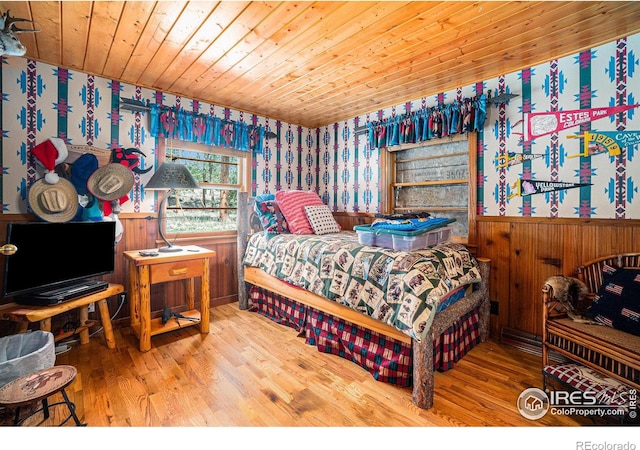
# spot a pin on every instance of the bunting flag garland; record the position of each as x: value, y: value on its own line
x: 523, y: 188
x: 543, y: 123
x: 606, y: 141
x: 511, y: 159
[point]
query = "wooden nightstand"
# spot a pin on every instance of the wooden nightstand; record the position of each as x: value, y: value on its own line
x: 184, y: 265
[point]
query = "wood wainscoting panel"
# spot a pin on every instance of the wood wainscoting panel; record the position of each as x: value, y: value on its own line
x: 494, y: 243
x: 524, y: 252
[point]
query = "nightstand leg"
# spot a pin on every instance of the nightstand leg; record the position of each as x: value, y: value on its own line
x: 204, y: 297
x: 145, y: 308
x: 134, y: 295
x: 190, y: 290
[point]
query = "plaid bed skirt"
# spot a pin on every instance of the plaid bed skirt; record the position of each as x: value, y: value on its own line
x: 388, y: 360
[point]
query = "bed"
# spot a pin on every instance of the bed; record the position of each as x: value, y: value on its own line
x: 385, y: 320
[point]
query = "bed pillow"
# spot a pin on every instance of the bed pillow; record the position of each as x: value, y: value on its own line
x: 617, y: 303
x: 271, y: 218
x: 292, y: 205
x: 321, y: 219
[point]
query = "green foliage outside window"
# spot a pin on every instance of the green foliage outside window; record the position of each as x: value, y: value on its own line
x: 212, y: 208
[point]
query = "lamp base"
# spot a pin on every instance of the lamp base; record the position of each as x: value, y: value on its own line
x: 169, y: 249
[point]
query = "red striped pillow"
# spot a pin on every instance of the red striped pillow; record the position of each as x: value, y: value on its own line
x: 292, y: 205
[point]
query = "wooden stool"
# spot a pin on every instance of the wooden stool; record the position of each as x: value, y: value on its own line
x: 39, y: 386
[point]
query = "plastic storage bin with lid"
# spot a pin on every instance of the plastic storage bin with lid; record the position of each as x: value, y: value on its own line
x: 403, y: 240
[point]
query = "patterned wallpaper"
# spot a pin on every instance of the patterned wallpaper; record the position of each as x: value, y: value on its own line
x: 605, y: 76
x: 40, y: 101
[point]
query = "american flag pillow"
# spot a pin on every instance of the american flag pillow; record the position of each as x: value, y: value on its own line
x: 617, y: 303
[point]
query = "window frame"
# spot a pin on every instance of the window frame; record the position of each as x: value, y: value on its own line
x: 244, y: 179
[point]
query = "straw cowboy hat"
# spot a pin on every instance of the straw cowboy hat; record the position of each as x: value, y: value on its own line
x: 53, y: 202
x: 110, y: 182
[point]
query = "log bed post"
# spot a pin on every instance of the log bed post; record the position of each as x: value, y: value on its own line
x: 243, y: 235
x: 485, y: 306
x: 423, y: 365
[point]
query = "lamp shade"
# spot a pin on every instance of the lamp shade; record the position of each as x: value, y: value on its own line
x: 172, y: 176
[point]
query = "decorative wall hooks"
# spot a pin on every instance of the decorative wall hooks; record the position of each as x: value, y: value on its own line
x: 129, y: 104
x: 504, y: 97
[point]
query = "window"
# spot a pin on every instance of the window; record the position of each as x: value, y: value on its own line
x: 214, y: 208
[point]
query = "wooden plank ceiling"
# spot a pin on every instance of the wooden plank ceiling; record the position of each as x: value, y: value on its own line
x: 313, y: 63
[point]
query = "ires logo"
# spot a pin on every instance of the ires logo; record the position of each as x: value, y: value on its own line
x: 588, y: 398
x: 534, y: 403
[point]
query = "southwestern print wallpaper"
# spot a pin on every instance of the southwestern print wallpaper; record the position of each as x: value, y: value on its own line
x: 598, y: 185
x: 40, y: 101
x: 574, y: 171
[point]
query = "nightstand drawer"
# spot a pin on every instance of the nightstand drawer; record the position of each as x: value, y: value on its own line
x: 178, y: 270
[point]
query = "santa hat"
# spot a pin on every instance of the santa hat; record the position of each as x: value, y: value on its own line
x: 50, y: 153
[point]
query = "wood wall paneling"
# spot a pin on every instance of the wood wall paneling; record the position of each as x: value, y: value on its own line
x: 524, y: 252
x: 494, y: 242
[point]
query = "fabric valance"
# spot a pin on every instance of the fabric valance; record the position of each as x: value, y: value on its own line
x: 461, y: 116
x: 177, y: 123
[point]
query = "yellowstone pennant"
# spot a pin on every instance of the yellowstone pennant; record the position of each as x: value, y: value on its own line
x: 524, y: 188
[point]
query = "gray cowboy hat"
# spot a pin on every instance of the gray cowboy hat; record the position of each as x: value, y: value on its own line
x: 53, y: 202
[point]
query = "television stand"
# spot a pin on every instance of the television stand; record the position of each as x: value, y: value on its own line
x: 62, y: 294
x: 26, y: 314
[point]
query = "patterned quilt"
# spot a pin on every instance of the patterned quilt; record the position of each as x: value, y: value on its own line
x: 402, y: 289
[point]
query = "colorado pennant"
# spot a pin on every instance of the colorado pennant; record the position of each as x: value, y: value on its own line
x: 543, y: 123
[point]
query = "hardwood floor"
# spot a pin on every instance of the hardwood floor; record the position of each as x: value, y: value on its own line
x: 252, y: 372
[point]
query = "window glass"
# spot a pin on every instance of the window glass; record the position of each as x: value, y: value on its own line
x: 212, y: 208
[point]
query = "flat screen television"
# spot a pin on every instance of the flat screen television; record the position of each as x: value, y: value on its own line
x: 53, y: 255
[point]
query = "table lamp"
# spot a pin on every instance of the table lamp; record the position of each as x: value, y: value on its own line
x: 170, y: 176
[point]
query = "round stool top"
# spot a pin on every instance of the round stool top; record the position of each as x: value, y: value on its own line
x: 36, y: 386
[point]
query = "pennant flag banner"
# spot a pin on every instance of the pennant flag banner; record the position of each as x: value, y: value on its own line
x: 511, y: 159
x: 524, y: 188
x: 543, y: 123
x: 606, y: 141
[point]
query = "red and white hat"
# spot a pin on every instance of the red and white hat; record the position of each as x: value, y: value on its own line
x: 50, y: 153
